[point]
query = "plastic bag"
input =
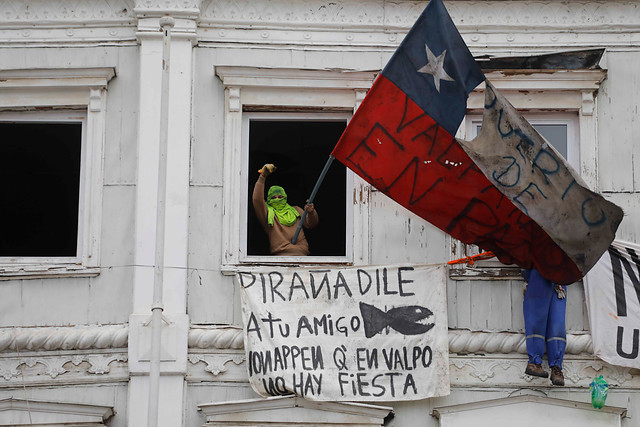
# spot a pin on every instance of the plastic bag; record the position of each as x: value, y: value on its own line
x: 599, y: 389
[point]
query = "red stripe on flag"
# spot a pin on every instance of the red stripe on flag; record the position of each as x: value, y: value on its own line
x: 400, y: 150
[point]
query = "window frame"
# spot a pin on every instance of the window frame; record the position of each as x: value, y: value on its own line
x: 547, y: 95
x: 287, y: 90
x: 550, y: 409
x: 570, y: 119
x: 44, y: 117
x: 50, y: 93
x: 248, y: 178
x: 23, y: 412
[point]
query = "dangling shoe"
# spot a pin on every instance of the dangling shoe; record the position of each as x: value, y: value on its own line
x: 557, y: 378
x: 536, y: 370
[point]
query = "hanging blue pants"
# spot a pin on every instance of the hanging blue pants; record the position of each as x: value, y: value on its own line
x: 544, y: 320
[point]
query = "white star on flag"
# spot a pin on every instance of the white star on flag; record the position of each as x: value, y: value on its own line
x: 435, y: 67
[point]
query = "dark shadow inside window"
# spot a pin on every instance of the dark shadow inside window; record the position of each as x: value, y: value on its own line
x: 300, y: 150
x: 39, y: 185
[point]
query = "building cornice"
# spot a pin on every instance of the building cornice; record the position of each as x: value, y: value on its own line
x: 497, y: 15
x: 186, y: 9
x: 486, y: 26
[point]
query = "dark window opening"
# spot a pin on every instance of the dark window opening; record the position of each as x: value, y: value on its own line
x: 300, y: 150
x: 40, y: 186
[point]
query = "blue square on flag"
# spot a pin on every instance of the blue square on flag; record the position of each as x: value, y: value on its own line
x: 434, y: 67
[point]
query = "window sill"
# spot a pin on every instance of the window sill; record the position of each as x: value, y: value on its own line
x: 44, y: 271
x: 309, y: 261
x: 485, y: 273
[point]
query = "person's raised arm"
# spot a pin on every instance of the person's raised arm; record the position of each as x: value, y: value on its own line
x: 259, y: 205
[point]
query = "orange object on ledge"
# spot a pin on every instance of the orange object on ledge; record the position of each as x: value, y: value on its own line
x: 473, y: 258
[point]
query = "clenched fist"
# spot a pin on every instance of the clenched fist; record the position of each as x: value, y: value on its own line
x: 267, y: 169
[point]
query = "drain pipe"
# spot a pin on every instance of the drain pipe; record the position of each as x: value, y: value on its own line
x: 166, y: 24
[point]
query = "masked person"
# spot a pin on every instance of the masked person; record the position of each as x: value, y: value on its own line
x: 544, y: 310
x: 280, y: 220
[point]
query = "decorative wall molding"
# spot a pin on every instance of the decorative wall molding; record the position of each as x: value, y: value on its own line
x: 222, y: 338
x: 402, y: 15
x: 46, y: 22
x: 63, y: 338
x: 215, y: 362
x: 460, y: 341
x: 364, y: 14
x: 466, y: 342
x: 98, y: 364
x: 217, y: 365
x: 363, y: 23
x: 175, y: 8
x: 231, y: 338
x: 509, y: 372
x: 465, y: 370
x: 349, y: 24
x: 62, y: 368
x: 478, y: 359
x: 50, y: 12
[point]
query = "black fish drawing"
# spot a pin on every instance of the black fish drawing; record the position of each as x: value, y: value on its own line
x: 402, y: 319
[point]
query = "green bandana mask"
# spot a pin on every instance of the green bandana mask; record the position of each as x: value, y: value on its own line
x: 286, y: 214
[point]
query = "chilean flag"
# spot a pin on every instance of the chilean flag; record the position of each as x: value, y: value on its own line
x: 401, y: 140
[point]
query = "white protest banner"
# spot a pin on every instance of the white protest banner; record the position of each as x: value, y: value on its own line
x: 375, y: 333
x: 612, y: 291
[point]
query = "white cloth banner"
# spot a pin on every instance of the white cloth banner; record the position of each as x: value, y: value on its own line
x: 375, y: 333
x: 612, y: 291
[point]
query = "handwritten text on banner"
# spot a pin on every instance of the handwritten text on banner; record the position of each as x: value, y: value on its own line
x: 362, y: 334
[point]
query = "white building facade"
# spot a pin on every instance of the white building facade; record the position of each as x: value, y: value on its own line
x: 81, y: 84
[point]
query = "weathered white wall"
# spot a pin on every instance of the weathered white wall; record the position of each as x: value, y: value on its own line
x: 211, y: 296
x: 618, y: 124
x: 496, y: 305
x: 618, y: 136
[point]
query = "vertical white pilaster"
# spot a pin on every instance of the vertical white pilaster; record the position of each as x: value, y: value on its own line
x: 93, y: 184
x: 588, y: 143
x: 362, y: 209
x: 233, y: 165
x: 171, y: 398
x: 176, y: 327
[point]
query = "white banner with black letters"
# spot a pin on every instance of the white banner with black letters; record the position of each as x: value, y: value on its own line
x: 375, y: 333
x: 612, y: 291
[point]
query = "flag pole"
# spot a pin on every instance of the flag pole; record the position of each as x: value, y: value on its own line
x: 313, y: 195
